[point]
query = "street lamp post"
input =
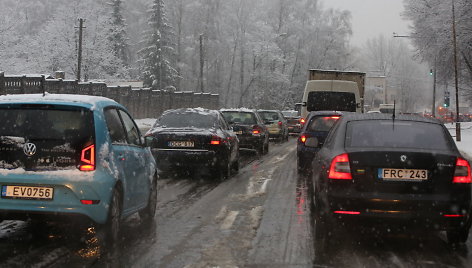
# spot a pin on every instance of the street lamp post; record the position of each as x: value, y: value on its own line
x: 456, y: 80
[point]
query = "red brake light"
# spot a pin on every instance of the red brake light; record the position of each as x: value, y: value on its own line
x: 280, y: 123
x: 302, y: 121
x: 303, y: 138
x: 89, y: 202
x: 215, y: 142
x: 347, y: 212
x: 462, y: 172
x: 453, y: 215
x: 335, y: 117
x: 340, y: 169
x: 87, y: 158
x: 256, y: 131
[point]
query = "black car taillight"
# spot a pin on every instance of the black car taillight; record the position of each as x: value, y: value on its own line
x: 340, y: 169
x: 87, y: 158
x: 462, y: 172
x: 303, y: 138
x: 215, y: 140
x: 256, y: 130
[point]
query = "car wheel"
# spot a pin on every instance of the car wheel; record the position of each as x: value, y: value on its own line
x: 266, y: 148
x: 261, y: 149
x: 112, y: 227
x: 148, y: 213
x: 457, y: 236
x: 235, y: 166
x: 223, y: 171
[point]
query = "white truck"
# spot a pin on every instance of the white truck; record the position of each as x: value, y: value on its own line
x: 333, y: 91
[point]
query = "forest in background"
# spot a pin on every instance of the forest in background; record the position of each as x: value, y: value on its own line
x: 256, y: 53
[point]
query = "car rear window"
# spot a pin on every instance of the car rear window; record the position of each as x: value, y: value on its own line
x: 331, y: 101
x: 270, y: 116
x: 186, y: 120
x: 396, y: 134
x: 322, y: 123
x: 57, y: 135
x: 245, y: 118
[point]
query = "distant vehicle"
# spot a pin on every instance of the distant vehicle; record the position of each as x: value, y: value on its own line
x: 374, y: 112
x: 250, y: 129
x: 333, y: 91
x: 294, y: 125
x: 290, y: 113
x: 194, y: 138
x: 313, y: 135
x: 387, y: 108
x: 73, y: 157
x: 276, y: 124
x: 396, y: 175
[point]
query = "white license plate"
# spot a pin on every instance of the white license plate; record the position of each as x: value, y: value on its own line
x: 184, y: 144
x: 403, y: 174
x: 27, y: 192
x: 239, y: 132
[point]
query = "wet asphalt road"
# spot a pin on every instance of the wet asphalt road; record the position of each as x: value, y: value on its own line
x: 260, y: 217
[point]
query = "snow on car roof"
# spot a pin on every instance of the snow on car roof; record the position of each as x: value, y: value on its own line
x: 237, y: 110
x: 72, y: 98
x: 198, y: 110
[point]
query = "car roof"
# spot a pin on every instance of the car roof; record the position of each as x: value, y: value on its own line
x: 59, y: 99
x: 381, y: 116
x: 245, y: 110
x: 193, y: 110
x: 315, y: 113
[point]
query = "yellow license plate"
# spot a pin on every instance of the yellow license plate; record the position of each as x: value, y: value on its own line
x: 27, y: 192
x: 403, y: 174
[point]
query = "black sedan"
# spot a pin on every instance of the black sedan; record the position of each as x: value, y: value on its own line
x: 250, y: 128
x: 402, y: 173
x: 194, y: 138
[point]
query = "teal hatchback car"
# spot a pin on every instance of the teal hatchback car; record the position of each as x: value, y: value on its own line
x: 68, y: 156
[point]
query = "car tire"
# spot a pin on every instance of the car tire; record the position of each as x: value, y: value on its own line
x: 112, y: 227
x: 261, y: 149
x: 148, y: 213
x: 235, y: 165
x: 266, y: 148
x: 223, y: 171
x: 457, y: 236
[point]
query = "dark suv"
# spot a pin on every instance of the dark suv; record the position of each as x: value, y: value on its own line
x: 313, y: 136
x: 251, y: 131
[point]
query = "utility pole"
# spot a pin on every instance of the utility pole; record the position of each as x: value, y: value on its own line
x: 456, y: 79
x: 79, y: 56
x: 201, y: 63
x: 434, y: 90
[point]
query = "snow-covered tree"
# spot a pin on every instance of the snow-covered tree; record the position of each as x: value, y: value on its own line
x: 118, y: 36
x: 157, y: 56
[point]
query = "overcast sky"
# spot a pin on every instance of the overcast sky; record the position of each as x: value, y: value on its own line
x: 372, y: 17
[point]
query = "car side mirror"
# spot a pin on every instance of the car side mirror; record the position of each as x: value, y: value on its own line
x: 304, y: 104
x: 313, y: 142
x: 150, y: 141
x: 267, y: 122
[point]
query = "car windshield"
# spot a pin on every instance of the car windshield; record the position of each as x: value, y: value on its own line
x: 396, y: 134
x: 244, y: 118
x: 270, y: 116
x: 186, y: 120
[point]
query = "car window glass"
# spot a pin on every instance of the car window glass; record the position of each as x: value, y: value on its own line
x: 322, y: 123
x: 223, y: 123
x: 270, y: 116
x: 115, y: 127
x: 132, y: 131
x: 396, y: 134
x: 240, y: 117
x: 186, y: 119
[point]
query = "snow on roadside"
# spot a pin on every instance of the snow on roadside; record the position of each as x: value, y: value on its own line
x: 465, y: 145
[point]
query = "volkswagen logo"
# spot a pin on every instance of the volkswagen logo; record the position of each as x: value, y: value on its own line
x: 29, y: 149
x: 403, y: 158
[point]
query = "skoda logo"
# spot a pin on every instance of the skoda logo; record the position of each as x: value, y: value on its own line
x: 29, y: 149
x: 403, y: 158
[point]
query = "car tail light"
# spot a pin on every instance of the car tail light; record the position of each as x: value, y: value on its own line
x: 347, y: 212
x: 462, y: 172
x: 89, y: 202
x: 335, y: 117
x: 303, y: 138
x: 453, y: 215
x: 87, y: 158
x: 215, y: 140
x: 340, y: 169
x: 256, y: 130
x: 302, y: 121
x: 280, y: 123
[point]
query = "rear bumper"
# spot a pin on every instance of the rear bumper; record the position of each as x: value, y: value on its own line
x: 431, y: 212
x: 68, y: 191
x: 168, y: 159
x: 305, y: 155
x: 250, y: 142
